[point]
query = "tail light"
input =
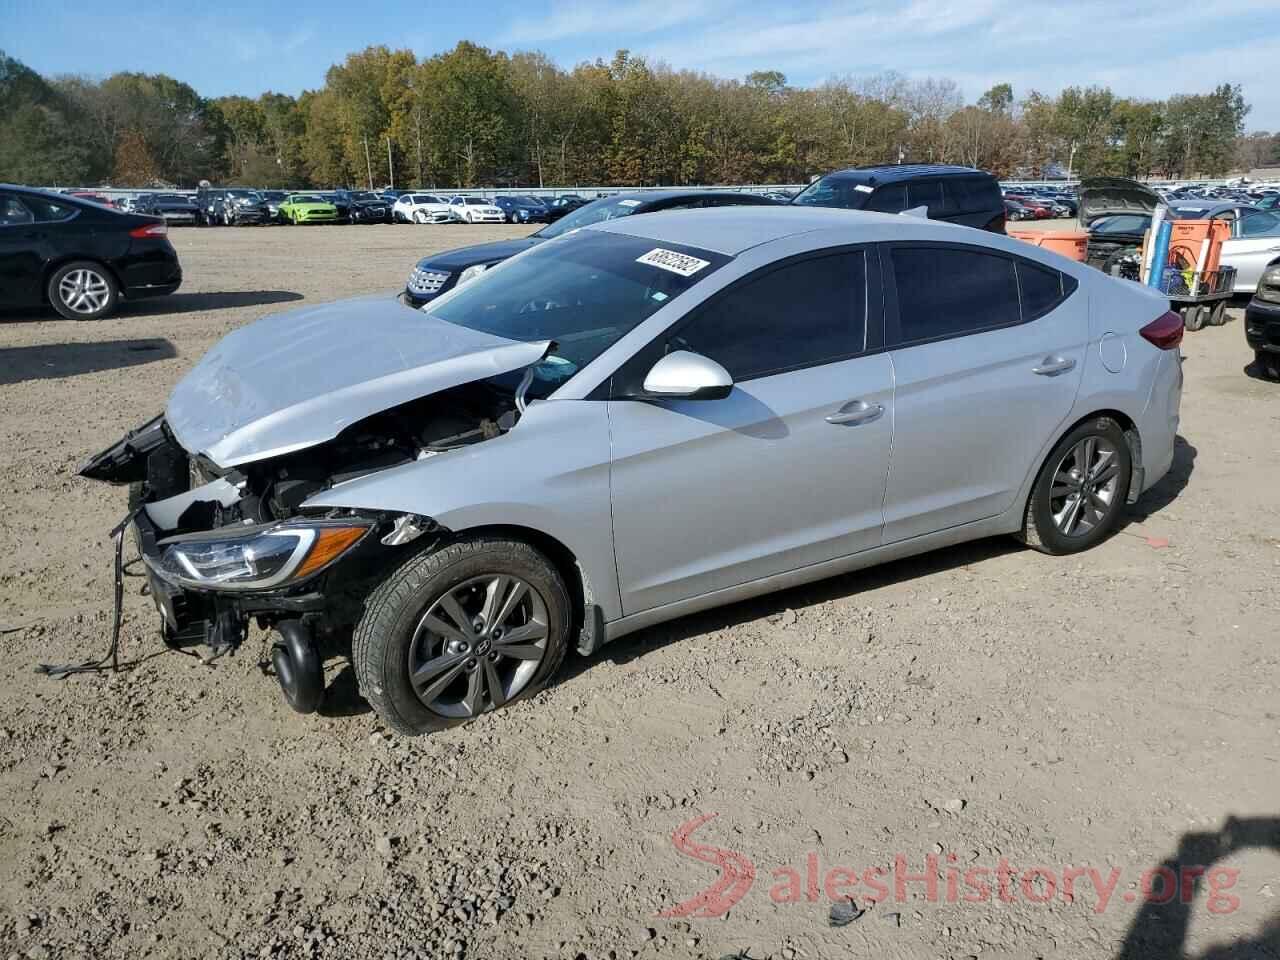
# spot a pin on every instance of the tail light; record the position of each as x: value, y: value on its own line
x: 1164, y: 332
x: 150, y: 230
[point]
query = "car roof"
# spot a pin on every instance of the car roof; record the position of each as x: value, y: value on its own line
x: 906, y: 171
x: 731, y: 230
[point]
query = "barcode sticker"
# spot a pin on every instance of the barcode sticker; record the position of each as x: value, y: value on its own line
x: 680, y: 263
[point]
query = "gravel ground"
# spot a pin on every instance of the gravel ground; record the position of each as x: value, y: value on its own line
x: 1110, y: 710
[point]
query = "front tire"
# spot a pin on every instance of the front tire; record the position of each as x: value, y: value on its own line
x: 1081, y: 491
x: 461, y: 630
x: 83, y: 290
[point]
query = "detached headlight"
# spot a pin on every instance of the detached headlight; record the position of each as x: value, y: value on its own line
x: 1269, y: 285
x: 262, y: 557
x: 472, y: 272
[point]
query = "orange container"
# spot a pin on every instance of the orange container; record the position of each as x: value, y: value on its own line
x: 1188, y: 237
x: 1072, y: 244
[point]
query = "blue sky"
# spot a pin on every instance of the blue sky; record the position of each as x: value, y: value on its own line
x: 1150, y: 49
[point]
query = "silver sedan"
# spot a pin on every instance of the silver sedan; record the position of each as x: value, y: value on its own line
x: 643, y: 418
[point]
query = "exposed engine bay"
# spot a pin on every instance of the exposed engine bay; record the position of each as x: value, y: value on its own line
x: 225, y: 545
x: 276, y: 488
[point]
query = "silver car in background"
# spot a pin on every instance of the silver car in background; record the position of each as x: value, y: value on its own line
x: 643, y: 418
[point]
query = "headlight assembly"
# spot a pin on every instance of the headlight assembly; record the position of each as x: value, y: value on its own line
x: 262, y: 557
x: 471, y: 273
x: 1269, y: 285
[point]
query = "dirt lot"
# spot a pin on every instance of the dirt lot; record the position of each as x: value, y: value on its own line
x: 985, y: 703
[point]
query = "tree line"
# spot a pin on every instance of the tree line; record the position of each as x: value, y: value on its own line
x: 475, y: 117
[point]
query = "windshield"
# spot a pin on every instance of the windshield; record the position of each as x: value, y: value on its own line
x: 476, y: 202
x: 365, y: 195
x: 584, y: 292
x: 172, y: 198
x: 425, y: 198
x: 305, y: 198
x: 596, y: 212
x: 836, y: 190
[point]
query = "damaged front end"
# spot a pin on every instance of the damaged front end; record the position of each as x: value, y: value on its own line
x: 231, y: 540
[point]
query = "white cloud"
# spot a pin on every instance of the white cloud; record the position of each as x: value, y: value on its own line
x: 1043, y: 46
x: 579, y: 18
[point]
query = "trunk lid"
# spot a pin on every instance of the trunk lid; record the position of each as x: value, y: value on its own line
x: 299, y: 378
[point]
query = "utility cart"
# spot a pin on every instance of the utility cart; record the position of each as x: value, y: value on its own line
x: 1200, y: 296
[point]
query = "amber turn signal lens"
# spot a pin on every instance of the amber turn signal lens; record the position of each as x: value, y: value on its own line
x: 331, y: 542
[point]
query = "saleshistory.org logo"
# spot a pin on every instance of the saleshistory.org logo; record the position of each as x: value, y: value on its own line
x: 942, y: 879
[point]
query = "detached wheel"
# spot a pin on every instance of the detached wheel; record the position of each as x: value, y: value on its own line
x: 1080, y: 493
x: 1268, y: 364
x: 461, y: 630
x: 83, y: 290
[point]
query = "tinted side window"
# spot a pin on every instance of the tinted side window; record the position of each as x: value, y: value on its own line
x: 951, y: 291
x: 974, y: 194
x: 808, y: 312
x: 891, y: 198
x: 1042, y: 289
x: 13, y: 212
x: 49, y: 211
x: 1254, y: 224
x: 925, y: 193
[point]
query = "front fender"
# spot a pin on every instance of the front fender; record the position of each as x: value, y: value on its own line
x: 550, y: 473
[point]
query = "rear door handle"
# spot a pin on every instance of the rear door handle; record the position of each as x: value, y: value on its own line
x: 857, y: 412
x: 1052, y: 366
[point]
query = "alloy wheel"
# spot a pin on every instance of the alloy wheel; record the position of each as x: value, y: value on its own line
x: 1085, y: 486
x: 84, y: 291
x: 478, y: 645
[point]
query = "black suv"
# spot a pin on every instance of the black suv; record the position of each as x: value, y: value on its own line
x: 955, y: 194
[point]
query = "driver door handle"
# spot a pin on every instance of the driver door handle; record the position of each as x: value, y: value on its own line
x: 857, y: 412
x: 1052, y: 366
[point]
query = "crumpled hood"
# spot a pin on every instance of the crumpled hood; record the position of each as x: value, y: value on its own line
x: 299, y: 378
x: 1106, y: 196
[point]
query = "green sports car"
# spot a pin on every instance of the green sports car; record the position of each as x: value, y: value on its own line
x: 307, y: 208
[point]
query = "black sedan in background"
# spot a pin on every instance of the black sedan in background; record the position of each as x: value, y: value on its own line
x: 365, y: 207
x: 520, y: 209
x: 173, y: 207
x: 79, y: 257
x: 240, y: 207
x: 439, y: 272
x: 564, y: 205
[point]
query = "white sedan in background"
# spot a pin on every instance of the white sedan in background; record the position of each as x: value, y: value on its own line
x: 476, y: 210
x: 422, y: 208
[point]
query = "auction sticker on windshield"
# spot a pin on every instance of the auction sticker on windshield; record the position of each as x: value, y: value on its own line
x: 680, y: 263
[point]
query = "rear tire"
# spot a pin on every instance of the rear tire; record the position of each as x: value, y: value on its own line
x: 394, y: 640
x: 83, y: 290
x: 1194, y: 317
x: 1075, y: 505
